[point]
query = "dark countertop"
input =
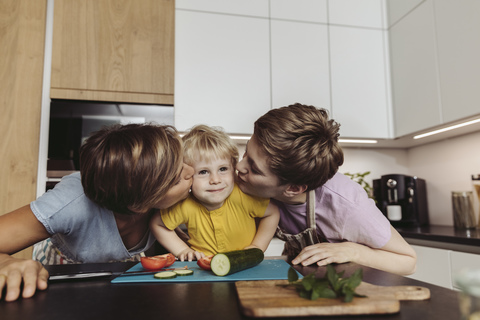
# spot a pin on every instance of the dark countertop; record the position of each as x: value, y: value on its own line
x: 99, y: 299
x: 442, y: 235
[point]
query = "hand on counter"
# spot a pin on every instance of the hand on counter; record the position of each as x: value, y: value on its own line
x: 15, y: 271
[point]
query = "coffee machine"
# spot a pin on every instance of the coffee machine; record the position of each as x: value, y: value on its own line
x: 402, y: 199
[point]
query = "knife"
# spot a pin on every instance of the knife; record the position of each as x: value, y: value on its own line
x: 150, y: 272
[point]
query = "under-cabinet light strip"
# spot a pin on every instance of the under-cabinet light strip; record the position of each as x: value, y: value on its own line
x: 423, y: 135
x: 357, y: 141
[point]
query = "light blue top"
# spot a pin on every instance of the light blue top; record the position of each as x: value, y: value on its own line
x: 83, y: 231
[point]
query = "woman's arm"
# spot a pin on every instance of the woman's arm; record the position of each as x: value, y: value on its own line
x: 20, y: 229
x: 171, y: 241
x: 397, y: 256
x: 266, y: 228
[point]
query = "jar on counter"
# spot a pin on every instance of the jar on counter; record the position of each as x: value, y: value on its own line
x: 476, y: 195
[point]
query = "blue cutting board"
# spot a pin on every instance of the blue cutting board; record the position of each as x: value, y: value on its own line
x: 266, y: 270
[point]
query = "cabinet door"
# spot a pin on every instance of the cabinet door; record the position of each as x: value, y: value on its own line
x: 433, y: 266
x: 414, y: 72
x: 222, y: 70
x: 462, y: 260
x: 113, y: 50
x: 255, y: 8
x: 458, y: 42
x: 359, y: 80
x: 22, y: 42
x: 300, y: 65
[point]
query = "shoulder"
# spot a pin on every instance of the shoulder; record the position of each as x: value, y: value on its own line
x: 342, y: 188
x: 185, y: 205
x: 238, y: 195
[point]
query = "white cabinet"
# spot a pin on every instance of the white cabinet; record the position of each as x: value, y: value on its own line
x: 434, y: 60
x: 359, y: 80
x: 235, y: 60
x: 462, y: 260
x: 413, y: 62
x: 440, y: 266
x: 458, y: 42
x: 255, y: 8
x: 433, y: 266
x: 300, y: 64
x: 365, y: 13
x: 222, y: 70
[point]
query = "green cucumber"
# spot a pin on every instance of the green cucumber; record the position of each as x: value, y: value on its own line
x: 165, y: 275
x: 230, y: 262
x: 186, y: 272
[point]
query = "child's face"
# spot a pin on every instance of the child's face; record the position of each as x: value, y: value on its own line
x: 213, y: 182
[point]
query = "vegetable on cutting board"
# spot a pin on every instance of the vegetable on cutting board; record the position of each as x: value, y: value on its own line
x: 331, y: 286
x: 205, y: 262
x: 153, y: 263
x: 173, y: 274
x: 226, y: 263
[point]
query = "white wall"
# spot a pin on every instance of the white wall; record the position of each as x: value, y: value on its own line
x: 446, y: 166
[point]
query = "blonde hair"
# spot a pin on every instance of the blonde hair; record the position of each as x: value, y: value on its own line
x: 203, y: 142
x: 129, y: 168
x: 301, y: 144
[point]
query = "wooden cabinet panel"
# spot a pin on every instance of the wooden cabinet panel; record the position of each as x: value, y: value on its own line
x: 109, y: 50
x: 22, y: 40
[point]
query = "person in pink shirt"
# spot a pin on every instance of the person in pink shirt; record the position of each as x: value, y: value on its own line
x: 325, y: 217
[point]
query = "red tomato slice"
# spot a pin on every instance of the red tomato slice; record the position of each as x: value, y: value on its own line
x: 204, y: 263
x: 170, y: 258
x: 153, y: 263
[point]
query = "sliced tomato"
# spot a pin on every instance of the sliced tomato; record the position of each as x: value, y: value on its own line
x: 153, y: 263
x: 204, y: 263
x: 170, y: 258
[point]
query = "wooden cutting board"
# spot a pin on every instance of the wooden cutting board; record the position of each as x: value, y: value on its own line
x: 266, y: 299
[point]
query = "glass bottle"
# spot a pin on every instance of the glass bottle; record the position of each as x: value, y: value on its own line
x: 476, y: 194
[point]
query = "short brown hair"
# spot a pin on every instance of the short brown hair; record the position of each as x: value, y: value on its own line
x: 207, y: 142
x: 129, y: 168
x: 301, y: 144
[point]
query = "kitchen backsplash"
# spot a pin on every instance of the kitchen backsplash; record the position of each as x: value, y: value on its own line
x: 445, y: 165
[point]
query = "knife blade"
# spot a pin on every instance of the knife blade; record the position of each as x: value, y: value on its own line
x: 131, y: 273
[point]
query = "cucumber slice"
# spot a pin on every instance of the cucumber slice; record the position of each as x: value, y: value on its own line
x: 184, y: 272
x: 230, y: 262
x: 165, y: 275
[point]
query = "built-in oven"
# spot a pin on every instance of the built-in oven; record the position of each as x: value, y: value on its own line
x: 71, y: 122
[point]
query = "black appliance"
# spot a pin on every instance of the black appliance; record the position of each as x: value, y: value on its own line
x: 402, y: 199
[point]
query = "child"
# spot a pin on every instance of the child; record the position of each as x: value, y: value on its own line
x: 219, y: 217
x: 101, y: 214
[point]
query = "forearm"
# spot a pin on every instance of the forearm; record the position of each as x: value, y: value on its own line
x: 169, y: 240
x: 265, y: 232
x: 398, y: 263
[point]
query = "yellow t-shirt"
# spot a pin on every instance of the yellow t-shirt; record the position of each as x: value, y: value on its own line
x: 231, y: 227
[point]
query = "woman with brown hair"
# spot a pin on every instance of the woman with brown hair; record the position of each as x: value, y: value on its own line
x: 325, y: 217
x: 101, y: 214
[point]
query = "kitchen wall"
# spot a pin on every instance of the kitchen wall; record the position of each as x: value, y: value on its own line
x: 445, y: 165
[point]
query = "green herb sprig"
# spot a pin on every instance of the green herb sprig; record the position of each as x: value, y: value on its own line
x: 331, y: 286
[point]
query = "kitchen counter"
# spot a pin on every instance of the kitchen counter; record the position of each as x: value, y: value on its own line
x: 98, y: 298
x: 443, y: 237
